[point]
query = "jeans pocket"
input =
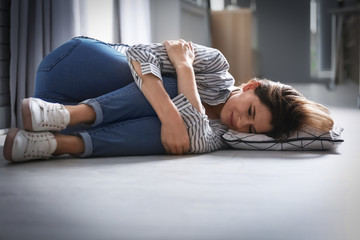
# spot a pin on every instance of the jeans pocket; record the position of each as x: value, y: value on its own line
x: 57, y: 55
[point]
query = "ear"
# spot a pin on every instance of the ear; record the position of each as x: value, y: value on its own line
x: 251, y: 86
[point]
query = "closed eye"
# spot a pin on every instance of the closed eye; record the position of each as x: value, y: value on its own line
x: 252, y: 114
x: 249, y: 112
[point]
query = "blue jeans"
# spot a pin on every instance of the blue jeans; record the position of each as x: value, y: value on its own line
x: 89, y: 71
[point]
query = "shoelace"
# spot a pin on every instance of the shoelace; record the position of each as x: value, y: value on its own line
x: 39, y: 145
x: 53, y: 115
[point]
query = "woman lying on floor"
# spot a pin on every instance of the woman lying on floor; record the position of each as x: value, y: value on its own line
x: 87, y: 104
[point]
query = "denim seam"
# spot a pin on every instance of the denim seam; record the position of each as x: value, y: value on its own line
x: 49, y: 67
x: 97, y: 40
x: 57, y: 99
x: 110, y: 96
x: 127, y: 92
x: 96, y: 131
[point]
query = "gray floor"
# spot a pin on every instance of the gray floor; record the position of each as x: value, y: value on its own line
x: 223, y: 195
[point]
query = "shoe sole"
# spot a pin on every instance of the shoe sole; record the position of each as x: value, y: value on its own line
x: 26, y: 114
x: 9, y: 143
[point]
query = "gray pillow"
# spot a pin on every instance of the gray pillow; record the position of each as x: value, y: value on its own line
x: 307, y: 139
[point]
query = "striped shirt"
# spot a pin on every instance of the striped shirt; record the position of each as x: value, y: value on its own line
x: 214, y: 84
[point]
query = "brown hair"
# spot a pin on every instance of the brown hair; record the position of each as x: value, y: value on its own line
x: 290, y: 110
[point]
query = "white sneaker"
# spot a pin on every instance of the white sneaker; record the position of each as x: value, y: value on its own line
x: 21, y: 145
x: 38, y: 115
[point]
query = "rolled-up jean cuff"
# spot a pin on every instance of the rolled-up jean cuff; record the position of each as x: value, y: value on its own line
x: 87, y: 143
x: 98, y: 111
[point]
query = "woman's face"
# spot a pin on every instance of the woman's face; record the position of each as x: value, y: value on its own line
x: 244, y: 112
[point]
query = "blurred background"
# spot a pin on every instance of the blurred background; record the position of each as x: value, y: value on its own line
x: 296, y: 42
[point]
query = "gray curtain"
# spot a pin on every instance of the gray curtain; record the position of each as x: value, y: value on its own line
x: 116, y: 21
x: 36, y: 28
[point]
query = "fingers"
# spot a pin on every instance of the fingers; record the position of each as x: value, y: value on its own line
x: 180, y: 150
x: 173, y: 151
x: 166, y: 43
x: 178, y: 42
x: 177, y: 149
x: 186, y: 148
x: 175, y: 41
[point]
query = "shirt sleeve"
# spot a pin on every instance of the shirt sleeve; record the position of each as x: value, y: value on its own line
x: 203, y: 138
x: 152, y: 58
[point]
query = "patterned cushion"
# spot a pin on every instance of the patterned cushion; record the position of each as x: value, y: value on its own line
x: 307, y: 139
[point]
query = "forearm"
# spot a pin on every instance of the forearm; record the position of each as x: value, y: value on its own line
x: 154, y: 91
x: 187, y: 85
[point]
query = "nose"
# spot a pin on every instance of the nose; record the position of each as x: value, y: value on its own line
x: 243, y: 123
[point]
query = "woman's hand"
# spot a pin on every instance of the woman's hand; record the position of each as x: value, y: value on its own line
x: 174, y: 135
x: 180, y: 52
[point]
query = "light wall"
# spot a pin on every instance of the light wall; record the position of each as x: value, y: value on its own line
x: 180, y: 19
x: 100, y: 19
